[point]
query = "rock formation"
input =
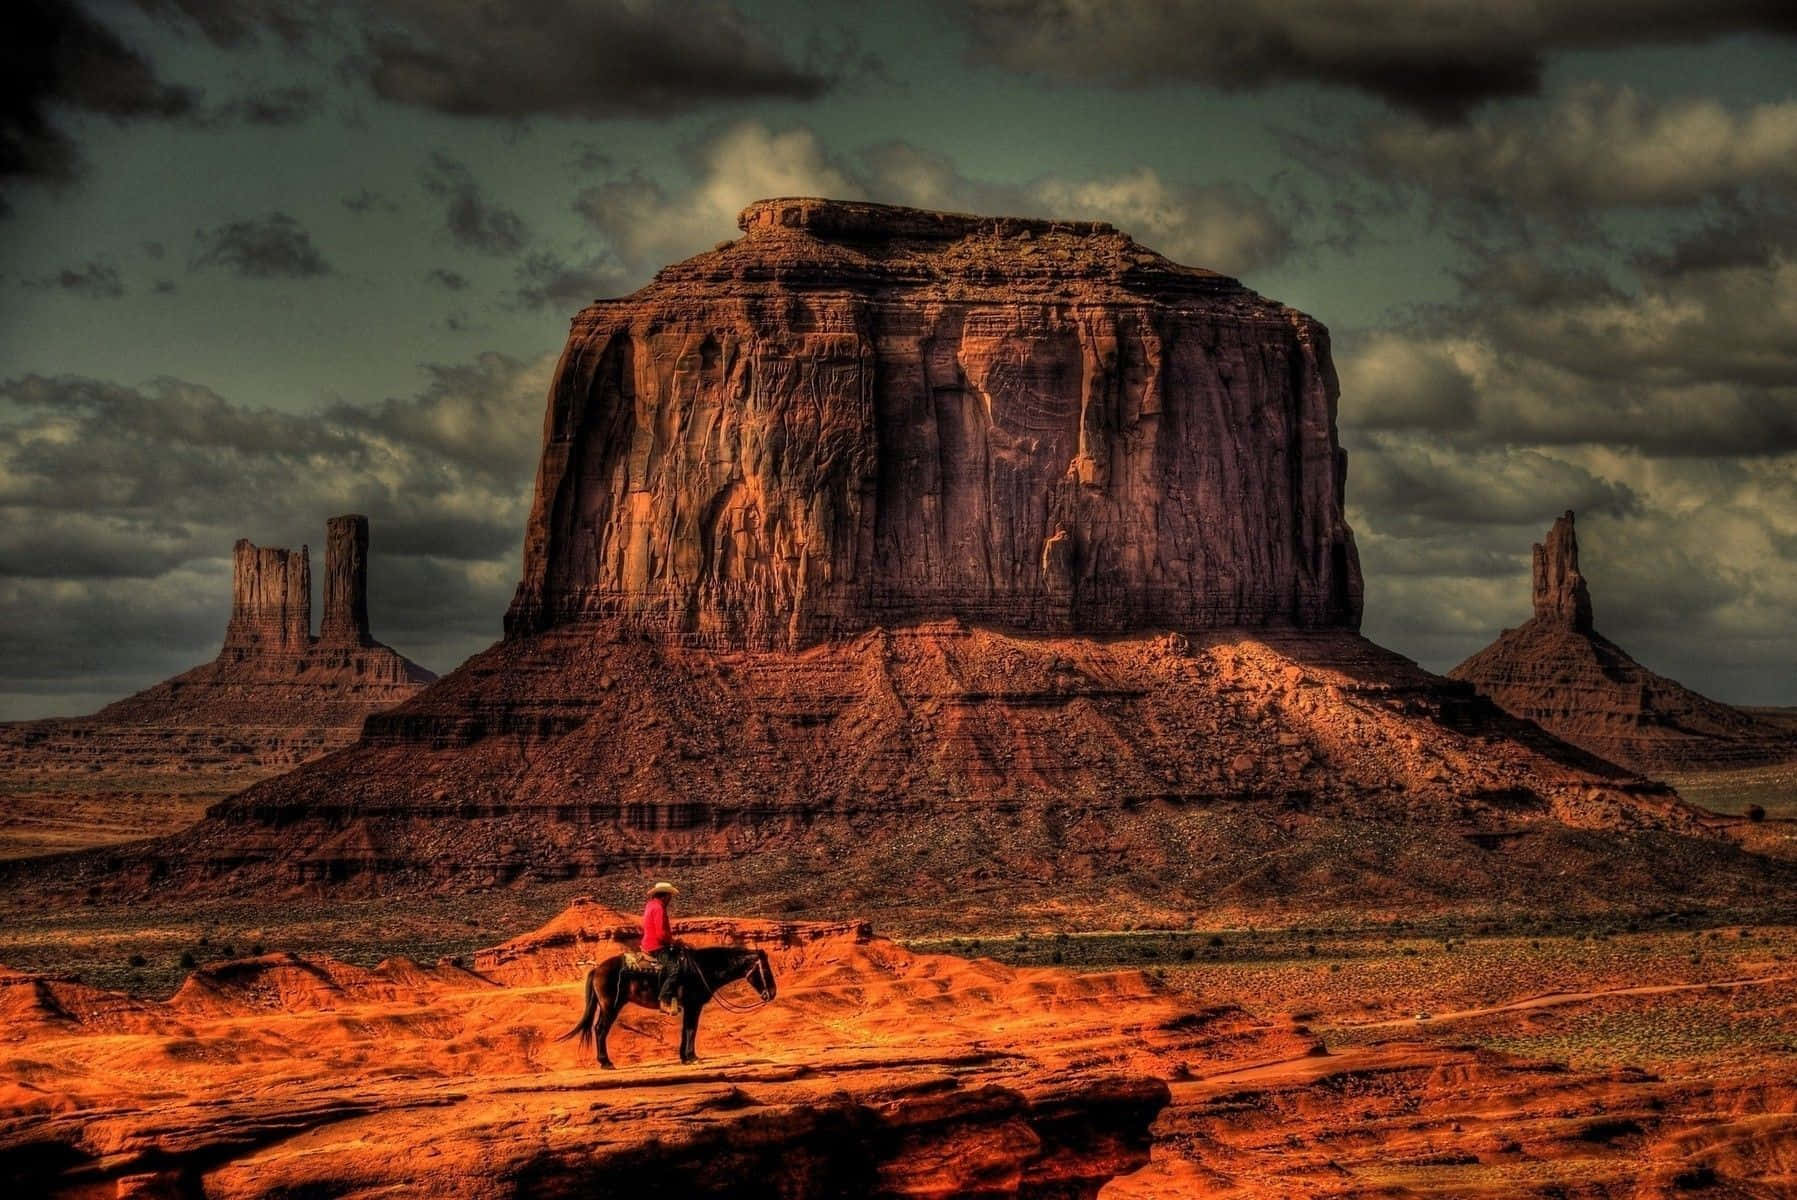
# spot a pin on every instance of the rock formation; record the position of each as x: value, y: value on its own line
x: 346, y: 582
x: 271, y: 601
x: 880, y: 553
x: 858, y: 416
x: 1561, y: 597
x: 273, y: 698
x: 1563, y: 675
x: 883, y: 1071
x: 856, y: 1081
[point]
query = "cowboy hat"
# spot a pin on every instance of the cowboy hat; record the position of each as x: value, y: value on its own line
x: 664, y: 888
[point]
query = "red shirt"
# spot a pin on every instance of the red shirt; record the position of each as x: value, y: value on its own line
x: 656, y: 935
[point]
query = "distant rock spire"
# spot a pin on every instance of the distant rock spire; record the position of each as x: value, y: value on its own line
x: 271, y: 600
x: 1561, y: 597
x: 346, y: 581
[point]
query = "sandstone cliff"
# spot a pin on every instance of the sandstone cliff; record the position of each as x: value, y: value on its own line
x: 346, y: 582
x: 271, y: 601
x: 1560, y: 673
x: 857, y: 416
x: 876, y: 1073
x: 882, y: 555
x: 273, y: 698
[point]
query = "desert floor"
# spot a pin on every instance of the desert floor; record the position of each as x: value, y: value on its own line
x: 1401, y: 1059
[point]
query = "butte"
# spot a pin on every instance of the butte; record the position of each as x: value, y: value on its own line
x: 956, y: 570
x: 1558, y: 671
x: 275, y: 696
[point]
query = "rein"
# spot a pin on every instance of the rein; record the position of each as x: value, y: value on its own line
x: 719, y: 1000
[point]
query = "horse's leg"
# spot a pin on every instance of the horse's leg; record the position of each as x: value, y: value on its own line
x: 689, y: 1033
x: 608, y: 1013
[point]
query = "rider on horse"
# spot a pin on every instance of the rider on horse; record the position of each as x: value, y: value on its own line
x: 659, y: 944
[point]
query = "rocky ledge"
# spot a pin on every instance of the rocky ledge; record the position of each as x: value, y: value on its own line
x: 874, y: 1072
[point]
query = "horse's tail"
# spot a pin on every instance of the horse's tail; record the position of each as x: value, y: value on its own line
x: 584, y: 1029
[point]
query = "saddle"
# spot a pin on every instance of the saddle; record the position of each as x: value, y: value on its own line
x: 647, y: 964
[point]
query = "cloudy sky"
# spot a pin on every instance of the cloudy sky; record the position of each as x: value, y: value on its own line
x: 270, y: 260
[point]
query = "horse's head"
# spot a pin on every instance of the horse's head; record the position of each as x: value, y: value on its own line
x: 761, y: 976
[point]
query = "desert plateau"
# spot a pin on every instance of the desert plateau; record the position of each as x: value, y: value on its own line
x: 940, y: 685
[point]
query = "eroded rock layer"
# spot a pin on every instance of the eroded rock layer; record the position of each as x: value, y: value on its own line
x: 1560, y: 673
x: 1604, y: 1072
x: 942, y: 773
x: 275, y: 696
x: 875, y: 1072
x: 857, y: 416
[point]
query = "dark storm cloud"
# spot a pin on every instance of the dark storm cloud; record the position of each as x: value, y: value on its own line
x: 1417, y: 483
x: 55, y: 58
x: 570, y: 58
x: 1434, y: 57
x: 482, y: 416
x: 272, y: 107
x: 96, y: 280
x: 366, y: 201
x: 472, y: 221
x: 119, y: 505
x: 1594, y: 146
x: 271, y: 247
x: 443, y: 277
x: 579, y: 58
x: 546, y: 281
x: 587, y: 158
x: 1741, y: 236
x: 232, y: 23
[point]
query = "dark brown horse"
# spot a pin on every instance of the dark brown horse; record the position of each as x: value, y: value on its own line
x: 611, y: 985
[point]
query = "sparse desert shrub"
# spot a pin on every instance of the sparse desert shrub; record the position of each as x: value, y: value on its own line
x: 138, y: 960
x: 1756, y: 812
x: 1216, y: 939
x: 1057, y: 958
x: 187, y: 962
x: 1187, y: 954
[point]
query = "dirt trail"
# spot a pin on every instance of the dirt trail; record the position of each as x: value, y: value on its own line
x: 1553, y: 999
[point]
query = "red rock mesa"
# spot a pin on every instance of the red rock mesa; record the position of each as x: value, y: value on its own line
x: 882, y: 556
x: 858, y: 416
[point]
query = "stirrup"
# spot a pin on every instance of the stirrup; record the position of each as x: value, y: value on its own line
x: 671, y: 1006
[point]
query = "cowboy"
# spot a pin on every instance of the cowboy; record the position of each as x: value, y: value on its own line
x: 659, y: 944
